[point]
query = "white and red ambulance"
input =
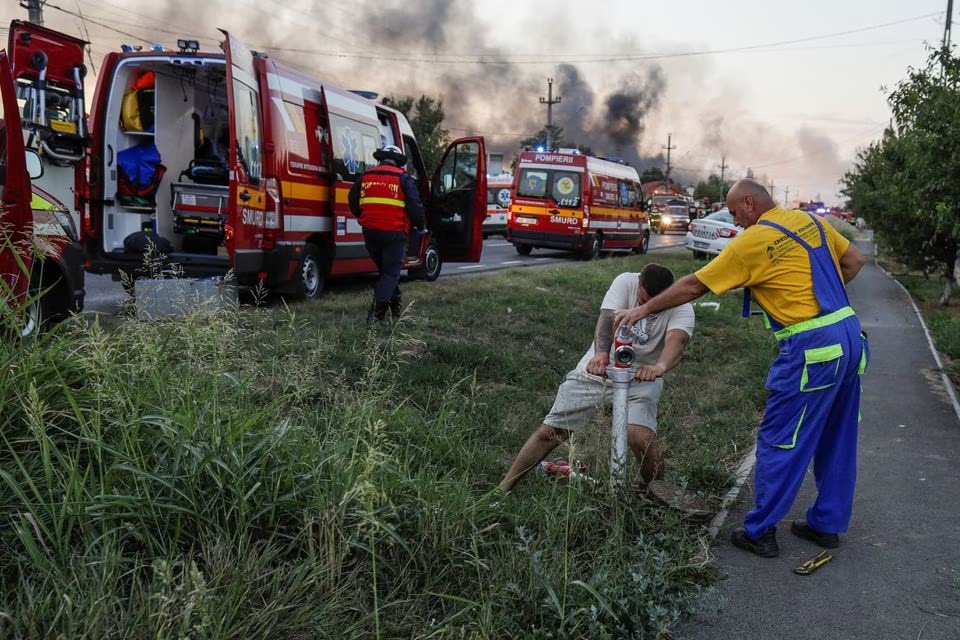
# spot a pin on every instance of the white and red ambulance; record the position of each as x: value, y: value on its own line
x: 499, y: 196
x: 567, y: 200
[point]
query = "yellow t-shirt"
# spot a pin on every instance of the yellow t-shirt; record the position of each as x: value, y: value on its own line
x: 773, y: 265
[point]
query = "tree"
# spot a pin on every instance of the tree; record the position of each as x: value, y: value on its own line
x: 426, y: 117
x: 905, y: 184
x: 714, y: 189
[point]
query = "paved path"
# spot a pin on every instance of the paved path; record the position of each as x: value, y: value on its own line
x: 896, y: 574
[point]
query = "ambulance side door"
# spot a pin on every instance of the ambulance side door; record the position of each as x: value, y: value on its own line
x: 458, y: 200
x: 247, y: 195
x: 15, y: 194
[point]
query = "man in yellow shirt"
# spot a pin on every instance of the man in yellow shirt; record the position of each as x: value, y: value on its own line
x: 795, y: 266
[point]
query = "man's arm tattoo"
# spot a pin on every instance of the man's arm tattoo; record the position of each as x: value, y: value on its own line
x: 603, y: 334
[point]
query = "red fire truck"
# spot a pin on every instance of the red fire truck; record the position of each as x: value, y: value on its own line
x: 47, y: 112
x: 231, y: 162
x: 567, y: 200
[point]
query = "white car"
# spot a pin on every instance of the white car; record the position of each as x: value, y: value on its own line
x: 708, y: 236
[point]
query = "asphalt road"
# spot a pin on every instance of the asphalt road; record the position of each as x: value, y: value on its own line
x: 104, y: 295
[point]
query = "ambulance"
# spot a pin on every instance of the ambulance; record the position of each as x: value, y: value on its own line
x: 229, y: 162
x: 499, y: 195
x: 47, y: 112
x: 574, y: 202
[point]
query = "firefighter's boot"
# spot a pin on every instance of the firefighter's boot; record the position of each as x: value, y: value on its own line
x: 396, y: 306
x: 378, y: 311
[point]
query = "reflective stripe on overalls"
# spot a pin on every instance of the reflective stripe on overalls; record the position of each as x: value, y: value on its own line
x: 813, y: 406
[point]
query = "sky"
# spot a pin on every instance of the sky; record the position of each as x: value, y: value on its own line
x: 787, y: 92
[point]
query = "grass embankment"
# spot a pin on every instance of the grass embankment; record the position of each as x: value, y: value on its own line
x: 286, y: 472
x: 942, y: 320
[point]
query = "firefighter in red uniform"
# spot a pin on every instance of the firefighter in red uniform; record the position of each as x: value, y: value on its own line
x: 386, y: 202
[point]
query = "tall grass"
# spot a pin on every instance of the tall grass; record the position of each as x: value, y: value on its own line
x: 288, y: 472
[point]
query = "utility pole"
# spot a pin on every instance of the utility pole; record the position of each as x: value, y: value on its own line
x: 786, y: 197
x: 771, y: 187
x: 669, y: 148
x: 723, y: 167
x: 35, y: 10
x: 550, y: 102
x: 947, y: 28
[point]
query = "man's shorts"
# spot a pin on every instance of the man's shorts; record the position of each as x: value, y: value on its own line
x: 580, y: 396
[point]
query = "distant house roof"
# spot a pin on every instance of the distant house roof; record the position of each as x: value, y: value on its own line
x: 661, y: 187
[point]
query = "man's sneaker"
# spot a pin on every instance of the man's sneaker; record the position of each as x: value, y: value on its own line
x: 765, y: 547
x: 801, y: 529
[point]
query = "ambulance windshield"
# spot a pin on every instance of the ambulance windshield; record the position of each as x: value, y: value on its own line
x: 562, y: 187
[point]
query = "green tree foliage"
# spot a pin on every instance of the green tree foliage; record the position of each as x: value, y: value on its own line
x: 905, y: 184
x: 713, y: 188
x: 426, y: 117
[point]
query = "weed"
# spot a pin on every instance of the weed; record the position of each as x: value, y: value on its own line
x: 282, y: 470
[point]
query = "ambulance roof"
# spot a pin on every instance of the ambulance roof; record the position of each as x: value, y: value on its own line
x: 555, y: 159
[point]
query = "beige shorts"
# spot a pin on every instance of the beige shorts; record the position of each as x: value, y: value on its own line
x: 580, y: 396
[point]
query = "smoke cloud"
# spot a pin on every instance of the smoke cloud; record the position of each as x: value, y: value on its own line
x: 453, y: 50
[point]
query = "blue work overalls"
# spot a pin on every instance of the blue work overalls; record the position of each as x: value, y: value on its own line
x: 813, y: 407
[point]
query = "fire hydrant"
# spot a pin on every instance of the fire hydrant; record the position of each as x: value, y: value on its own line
x: 621, y: 372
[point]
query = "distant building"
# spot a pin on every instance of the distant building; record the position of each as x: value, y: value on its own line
x: 662, y: 188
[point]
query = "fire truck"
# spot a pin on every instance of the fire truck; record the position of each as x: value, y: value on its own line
x: 48, y: 112
x: 567, y: 200
x: 231, y: 162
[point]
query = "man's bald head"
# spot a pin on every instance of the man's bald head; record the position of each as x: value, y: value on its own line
x: 748, y: 200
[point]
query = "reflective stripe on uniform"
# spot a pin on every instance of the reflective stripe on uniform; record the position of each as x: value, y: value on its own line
x: 814, y: 323
x: 388, y: 201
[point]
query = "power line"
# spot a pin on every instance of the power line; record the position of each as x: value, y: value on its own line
x: 520, y: 59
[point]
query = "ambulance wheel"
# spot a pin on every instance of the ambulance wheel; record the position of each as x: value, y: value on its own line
x: 596, y: 248
x: 47, y: 303
x: 523, y: 249
x: 432, y: 264
x: 644, y: 244
x: 312, y: 275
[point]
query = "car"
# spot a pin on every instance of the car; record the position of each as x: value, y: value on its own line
x: 708, y: 236
x: 674, y: 216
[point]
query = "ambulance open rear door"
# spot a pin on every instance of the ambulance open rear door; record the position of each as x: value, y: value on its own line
x: 247, y: 199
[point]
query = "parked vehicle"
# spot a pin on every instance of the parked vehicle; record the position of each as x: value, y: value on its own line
x: 499, y: 196
x: 708, y: 236
x: 48, y: 114
x: 574, y: 202
x: 233, y: 162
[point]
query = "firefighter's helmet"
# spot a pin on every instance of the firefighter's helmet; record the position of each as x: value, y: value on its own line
x: 392, y: 153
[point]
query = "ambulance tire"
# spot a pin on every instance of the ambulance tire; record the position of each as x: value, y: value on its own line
x: 644, y: 245
x: 596, y: 248
x: 43, y: 311
x: 432, y: 264
x: 312, y: 275
x: 523, y: 249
